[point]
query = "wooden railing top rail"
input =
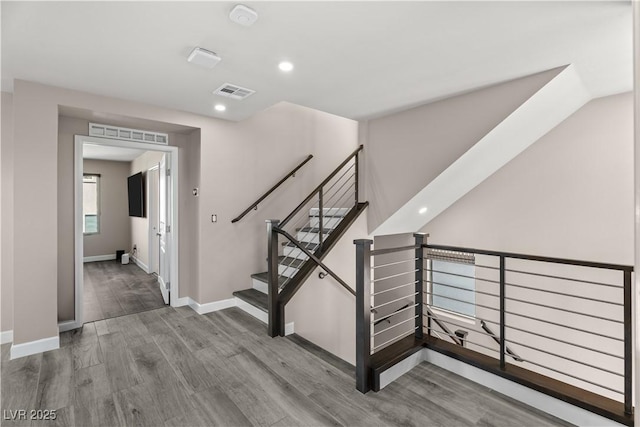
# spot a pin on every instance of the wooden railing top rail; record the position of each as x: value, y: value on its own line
x: 254, y: 205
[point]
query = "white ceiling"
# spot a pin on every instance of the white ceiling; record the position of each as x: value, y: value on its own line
x: 354, y: 59
x: 116, y: 154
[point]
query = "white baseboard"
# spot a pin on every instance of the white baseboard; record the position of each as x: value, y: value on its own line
x: 68, y: 325
x: 401, y: 368
x: 140, y: 264
x: 261, y: 315
x: 211, y: 306
x: 34, y: 347
x: 99, y: 258
x: 6, y: 337
x: 181, y: 302
x: 526, y: 395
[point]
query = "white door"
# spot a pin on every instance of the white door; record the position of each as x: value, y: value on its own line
x: 164, y: 199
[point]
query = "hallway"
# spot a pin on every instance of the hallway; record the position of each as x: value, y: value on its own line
x: 112, y: 289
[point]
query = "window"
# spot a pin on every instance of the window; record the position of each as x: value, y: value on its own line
x: 453, y: 282
x: 91, y: 204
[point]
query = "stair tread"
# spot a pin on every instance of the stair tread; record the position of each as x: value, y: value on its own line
x: 309, y: 246
x: 254, y: 297
x: 263, y: 278
x: 314, y: 229
x: 290, y: 261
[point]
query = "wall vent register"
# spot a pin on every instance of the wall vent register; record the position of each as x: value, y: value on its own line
x: 137, y: 135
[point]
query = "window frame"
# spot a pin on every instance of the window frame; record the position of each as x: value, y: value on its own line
x: 450, y: 258
x: 98, y: 205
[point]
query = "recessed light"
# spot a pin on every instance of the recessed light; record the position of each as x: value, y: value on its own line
x: 422, y: 210
x: 285, y: 66
x: 220, y: 107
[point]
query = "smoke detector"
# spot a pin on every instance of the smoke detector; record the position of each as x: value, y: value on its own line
x: 203, y: 57
x: 243, y: 15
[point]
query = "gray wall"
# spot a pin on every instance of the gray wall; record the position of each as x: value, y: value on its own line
x: 568, y: 195
x: 238, y: 161
x: 407, y: 150
x: 115, y: 229
x: 6, y: 229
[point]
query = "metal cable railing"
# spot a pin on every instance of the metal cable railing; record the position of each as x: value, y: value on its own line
x: 565, y: 320
x: 302, y: 237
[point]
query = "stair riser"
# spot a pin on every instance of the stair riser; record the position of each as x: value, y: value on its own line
x: 295, y: 253
x: 285, y: 271
x: 260, y: 286
x: 330, y: 222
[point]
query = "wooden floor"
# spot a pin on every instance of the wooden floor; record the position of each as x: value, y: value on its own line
x: 112, y: 289
x: 173, y: 367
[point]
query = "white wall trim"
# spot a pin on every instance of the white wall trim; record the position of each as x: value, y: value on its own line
x: 289, y: 328
x: 140, y: 264
x: 95, y: 258
x: 68, y: 325
x: 34, y: 347
x: 541, y: 401
x: 181, y: 302
x: 211, y: 306
x: 6, y: 337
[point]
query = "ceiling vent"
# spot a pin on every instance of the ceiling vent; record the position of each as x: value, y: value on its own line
x: 234, y: 92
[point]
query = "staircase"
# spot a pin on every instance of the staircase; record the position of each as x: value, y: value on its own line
x: 293, y: 259
x: 298, y: 244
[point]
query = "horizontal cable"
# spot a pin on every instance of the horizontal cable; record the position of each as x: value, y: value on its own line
x: 564, y: 278
x: 466, y: 302
x: 451, y: 274
x: 552, y: 260
x: 398, y: 338
x: 395, y: 300
x: 465, y: 276
x: 385, y: 251
x: 467, y: 327
x: 571, y: 279
x: 562, y: 325
x: 343, y: 174
x: 551, y: 307
x: 330, y: 197
x: 564, y: 294
x: 394, y: 263
x: 558, y: 340
x: 391, y: 327
x: 565, y: 358
x: 394, y: 275
x: 463, y: 289
x: 575, y: 377
x: 394, y: 313
x: 466, y: 340
x: 394, y: 288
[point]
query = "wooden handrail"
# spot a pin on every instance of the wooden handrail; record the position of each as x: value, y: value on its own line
x: 254, y: 205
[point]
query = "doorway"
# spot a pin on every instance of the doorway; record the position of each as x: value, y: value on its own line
x: 153, y: 259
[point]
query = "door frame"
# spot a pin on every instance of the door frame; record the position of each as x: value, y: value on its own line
x: 152, y: 234
x: 79, y: 141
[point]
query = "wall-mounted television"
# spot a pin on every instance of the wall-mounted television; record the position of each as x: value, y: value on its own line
x: 136, y: 195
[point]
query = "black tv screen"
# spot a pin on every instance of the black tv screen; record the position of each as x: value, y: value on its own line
x: 136, y: 195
